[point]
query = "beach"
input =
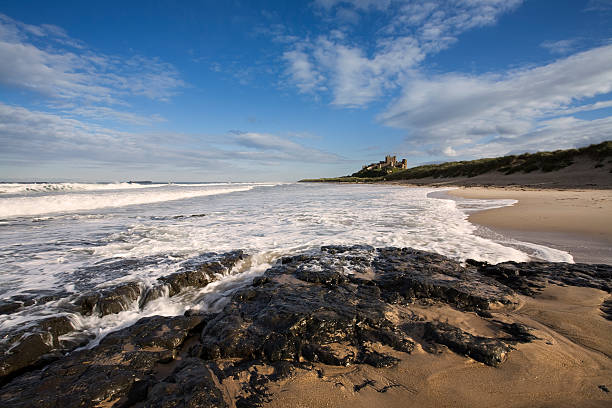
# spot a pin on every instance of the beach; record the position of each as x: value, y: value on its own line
x: 578, y: 221
x: 303, y: 294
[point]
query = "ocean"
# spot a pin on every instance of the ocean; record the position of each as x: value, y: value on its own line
x: 60, y: 240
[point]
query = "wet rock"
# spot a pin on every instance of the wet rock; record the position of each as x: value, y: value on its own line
x: 199, y: 274
x: 326, y: 277
x: 529, y: 277
x: 291, y: 321
x: 408, y: 274
x: 109, y: 301
x: 107, y: 374
x: 518, y: 332
x: 19, y: 302
x: 191, y: 385
x: 9, y: 306
x: 331, y: 308
x: 32, y: 346
x: 606, y: 308
x: 26, y: 300
x: 39, y: 343
x: 492, y: 352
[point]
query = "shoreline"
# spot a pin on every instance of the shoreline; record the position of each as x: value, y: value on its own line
x: 577, y: 221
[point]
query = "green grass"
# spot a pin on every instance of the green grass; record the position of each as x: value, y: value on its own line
x: 525, y: 163
x: 375, y: 173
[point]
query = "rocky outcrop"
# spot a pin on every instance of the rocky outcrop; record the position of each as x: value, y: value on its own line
x: 529, y: 277
x: 40, y: 342
x: 338, y: 306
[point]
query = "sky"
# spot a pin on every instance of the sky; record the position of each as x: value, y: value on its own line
x: 285, y: 90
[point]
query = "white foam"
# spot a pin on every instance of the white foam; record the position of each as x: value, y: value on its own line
x: 67, y: 202
x: 25, y: 188
x: 383, y: 216
x: 530, y: 250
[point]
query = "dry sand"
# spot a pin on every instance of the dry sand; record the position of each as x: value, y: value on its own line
x: 576, y: 221
x: 565, y: 367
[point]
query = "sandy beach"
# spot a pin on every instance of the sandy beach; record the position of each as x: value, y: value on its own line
x: 578, y: 221
x: 563, y: 368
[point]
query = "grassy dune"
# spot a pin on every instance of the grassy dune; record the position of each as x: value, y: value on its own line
x: 600, y: 154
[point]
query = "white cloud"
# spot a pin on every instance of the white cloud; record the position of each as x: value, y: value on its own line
x: 354, y: 78
x: 103, y: 113
x: 561, y: 46
x: 302, y: 71
x: 35, y: 58
x: 29, y: 137
x: 599, y: 6
x: 359, y: 4
x: 561, y: 133
x: 272, y: 146
x: 585, y: 108
x: 449, y: 151
x: 347, y: 15
x: 437, y: 24
x: 457, y: 109
x: 359, y: 74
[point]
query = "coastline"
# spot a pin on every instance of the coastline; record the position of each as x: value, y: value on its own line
x: 578, y: 221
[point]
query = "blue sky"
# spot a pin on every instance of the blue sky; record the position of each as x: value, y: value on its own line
x: 283, y: 90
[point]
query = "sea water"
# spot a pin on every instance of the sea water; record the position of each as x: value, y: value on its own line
x: 64, y: 239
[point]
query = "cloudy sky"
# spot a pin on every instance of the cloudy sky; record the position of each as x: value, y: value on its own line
x: 282, y: 90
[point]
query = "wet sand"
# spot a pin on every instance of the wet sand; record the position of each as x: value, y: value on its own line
x: 576, y: 221
x: 567, y: 366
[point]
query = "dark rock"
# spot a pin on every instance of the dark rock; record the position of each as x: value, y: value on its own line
x: 18, y: 302
x: 529, y: 277
x: 366, y: 383
x: 376, y: 359
x: 32, y: 345
x: 518, y: 332
x: 199, y: 274
x: 606, y: 308
x: 191, y: 385
x: 39, y: 343
x: 26, y: 300
x: 492, y: 352
x: 196, y: 272
x: 109, y: 301
x: 9, y: 306
x: 108, y: 372
x: 412, y: 274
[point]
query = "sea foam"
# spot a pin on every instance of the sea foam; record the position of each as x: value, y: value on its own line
x: 105, y: 197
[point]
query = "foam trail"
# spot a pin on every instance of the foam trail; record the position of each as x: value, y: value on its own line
x: 24, y: 188
x: 64, y: 203
x: 530, y: 250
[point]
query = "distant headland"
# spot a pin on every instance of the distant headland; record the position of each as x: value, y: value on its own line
x: 586, y: 167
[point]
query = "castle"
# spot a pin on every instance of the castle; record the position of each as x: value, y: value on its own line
x: 389, y: 163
